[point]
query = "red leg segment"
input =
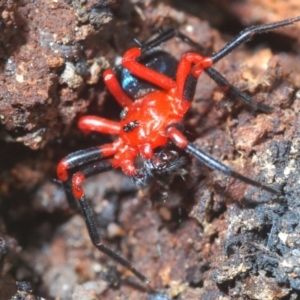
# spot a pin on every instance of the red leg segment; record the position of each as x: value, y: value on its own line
x: 146, y: 151
x: 89, y: 170
x: 141, y: 71
x: 177, y: 137
x: 191, y: 64
x: 94, y: 123
x: 77, y: 189
x: 114, y: 87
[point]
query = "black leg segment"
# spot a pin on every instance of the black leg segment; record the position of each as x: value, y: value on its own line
x: 235, y: 92
x: 96, y: 239
x: 216, y: 165
x: 248, y: 33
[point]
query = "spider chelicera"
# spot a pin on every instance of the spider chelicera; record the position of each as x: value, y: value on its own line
x: 151, y: 120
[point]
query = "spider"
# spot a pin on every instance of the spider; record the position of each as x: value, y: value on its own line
x: 162, y: 99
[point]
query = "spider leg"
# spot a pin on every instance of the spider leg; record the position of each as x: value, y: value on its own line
x: 87, y: 164
x: 180, y: 141
x: 246, y: 34
x: 190, y: 67
x: 230, y: 89
x: 81, y: 157
x: 161, y: 38
x: 242, y: 37
x: 98, y: 124
x: 77, y: 159
x: 233, y: 91
x: 130, y: 62
x: 114, y: 87
x: 77, y: 190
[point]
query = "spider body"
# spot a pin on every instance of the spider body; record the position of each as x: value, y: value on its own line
x: 145, y: 123
x: 150, y: 121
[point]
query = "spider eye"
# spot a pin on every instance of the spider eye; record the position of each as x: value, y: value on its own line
x: 158, y: 162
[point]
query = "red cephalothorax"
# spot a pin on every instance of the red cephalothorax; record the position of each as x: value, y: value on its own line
x: 150, y: 121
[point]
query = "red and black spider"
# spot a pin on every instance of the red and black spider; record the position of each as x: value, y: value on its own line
x: 151, y: 120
